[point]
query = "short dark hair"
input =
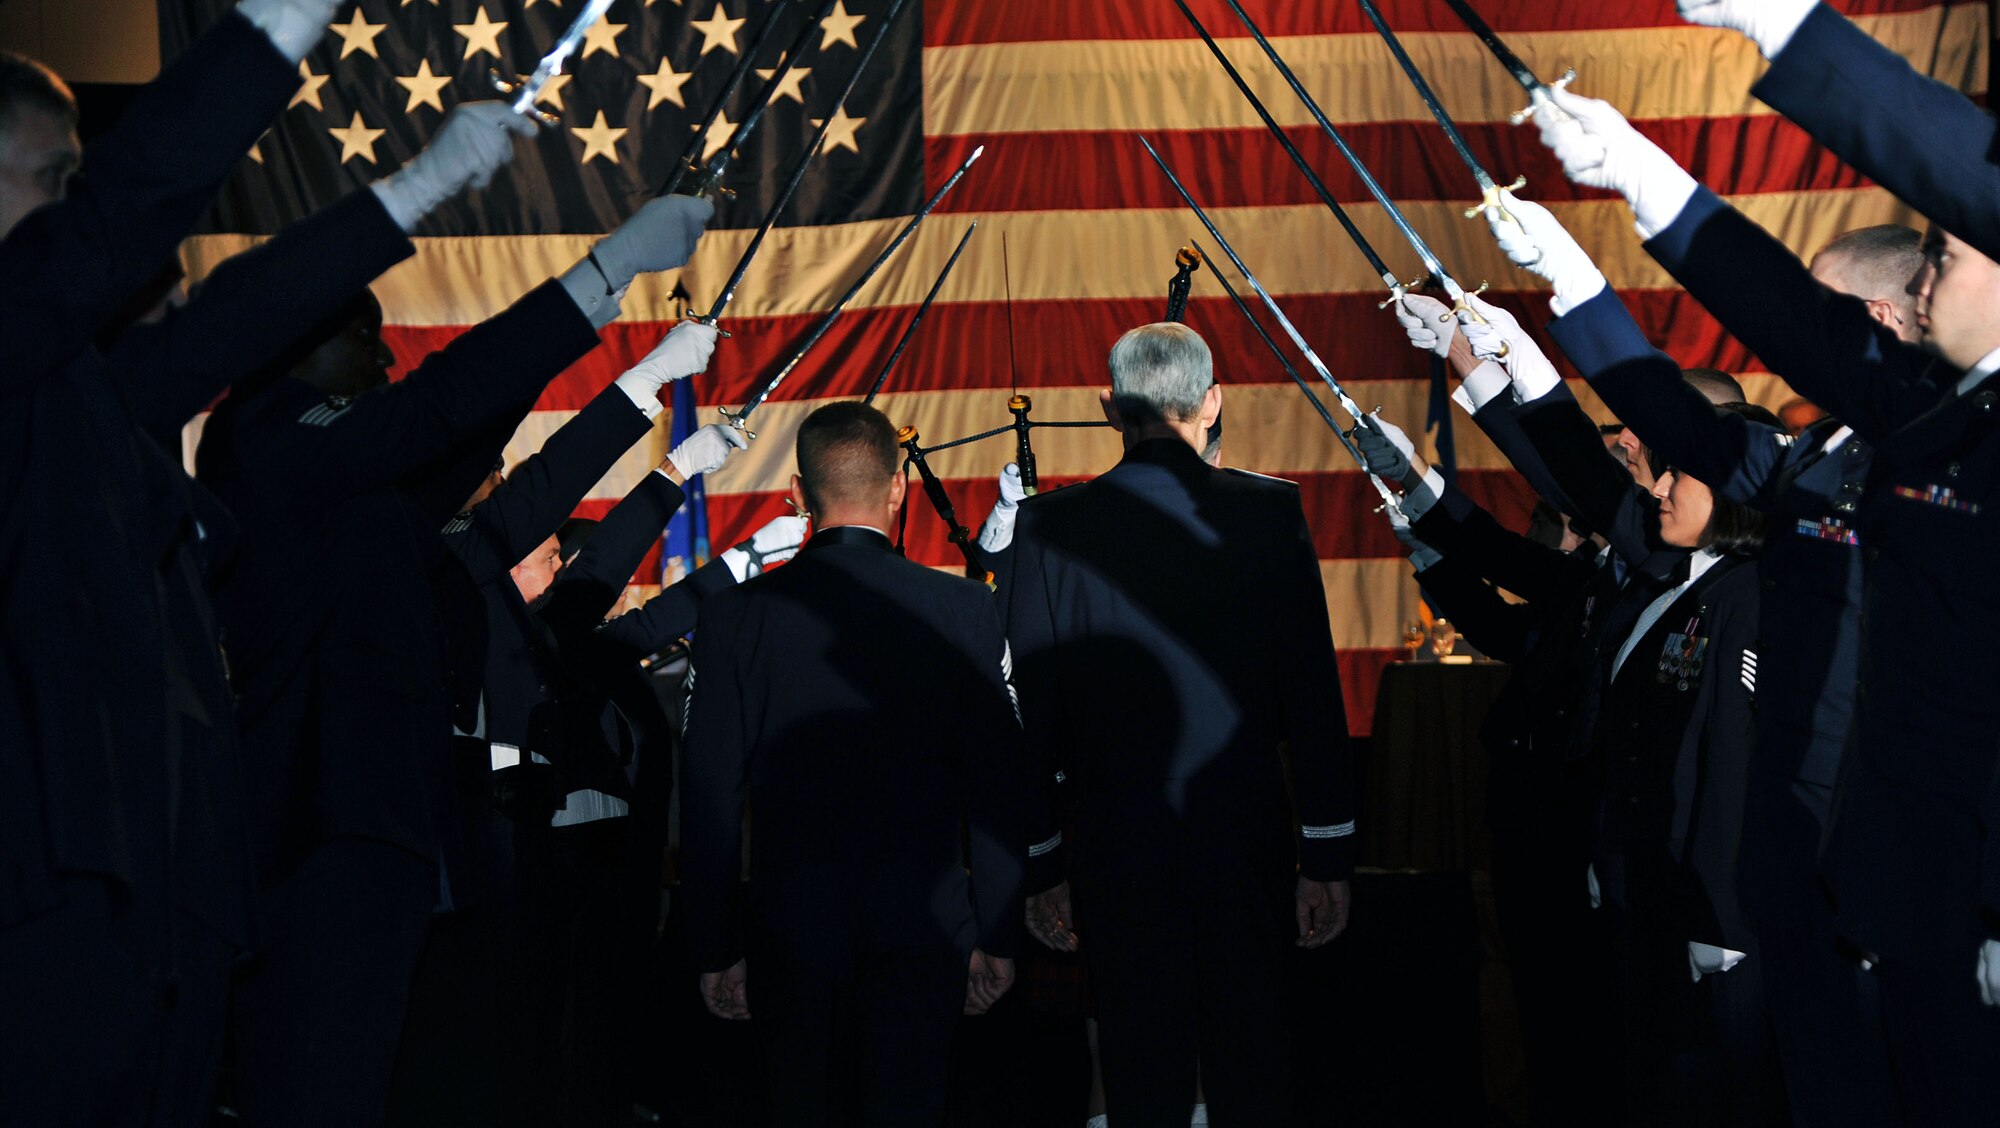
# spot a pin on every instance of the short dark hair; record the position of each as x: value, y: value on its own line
x: 28, y: 84
x: 1735, y: 528
x: 847, y: 452
x: 1719, y: 386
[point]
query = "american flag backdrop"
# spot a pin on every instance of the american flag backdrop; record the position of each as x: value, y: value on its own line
x: 1058, y: 92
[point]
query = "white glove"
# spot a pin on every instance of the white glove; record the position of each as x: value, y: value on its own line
x: 1534, y: 240
x: 707, y: 449
x: 660, y: 236
x: 998, y: 531
x: 1598, y: 148
x: 1709, y: 959
x: 683, y: 352
x: 476, y: 140
x: 775, y: 543
x: 1989, y: 973
x: 1769, y: 23
x: 1529, y: 370
x: 1428, y: 323
x: 295, y: 26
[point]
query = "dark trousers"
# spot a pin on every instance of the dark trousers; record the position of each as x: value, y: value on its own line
x: 1188, y: 975
x: 1826, y: 1014
x: 113, y: 1014
x: 855, y: 1029
x: 1943, y: 1043
x: 318, y: 1017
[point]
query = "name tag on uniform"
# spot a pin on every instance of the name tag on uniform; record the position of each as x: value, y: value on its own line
x: 1942, y: 496
x: 1681, y: 657
x: 1829, y: 528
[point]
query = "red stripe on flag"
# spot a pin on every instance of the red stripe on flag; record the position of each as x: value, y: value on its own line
x: 1413, y: 161
x: 1360, y: 675
x: 1063, y: 344
x: 956, y: 22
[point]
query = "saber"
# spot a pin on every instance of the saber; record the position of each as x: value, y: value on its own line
x: 911, y: 329
x: 975, y: 564
x: 1538, y: 91
x: 736, y: 418
x: 798, y: 174
x: 737, y: 74
x: 1396, y: 289
x: 1340, y: 395
x: 1489, y: 192
x: 528, y: 89
x: 1276, y: 352
x: 711, y: 179
x: 1368, y: 181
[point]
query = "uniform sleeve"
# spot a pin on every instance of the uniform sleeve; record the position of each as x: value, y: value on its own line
x: 715, y: 765
x: 394, y: 432
x: 1038, y: 681
x: 67, y: 267
x: 1643, y: 386
x: 1822, y: 343
x: 1496, y: 419
x: 1468, y: 536
x: 545, y: 489
x: 1607, y: 498
x: 591, y: 582
x: 253, y: 307
x: 1922, y: 139
x: 1315, y: 716
x: 1498, y: 628
x: 997, y: 781
x: 665, y: 618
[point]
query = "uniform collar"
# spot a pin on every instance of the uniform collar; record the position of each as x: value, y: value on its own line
x: 1974, y: 376
x: 863, y: 536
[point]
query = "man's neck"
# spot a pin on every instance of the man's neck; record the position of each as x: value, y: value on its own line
x: 1192, y: 433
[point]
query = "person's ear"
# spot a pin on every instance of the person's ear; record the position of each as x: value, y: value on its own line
x: 1110, y: 407
x: 898, y: 486
x: 799, y: 496
x: 1211, y: 406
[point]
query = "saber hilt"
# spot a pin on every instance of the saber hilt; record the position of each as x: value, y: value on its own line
x: 688, y: 162
x: 1186, y: 261
x: 975, y: 564
x: 1024, y: 446
x: 1539, y: 101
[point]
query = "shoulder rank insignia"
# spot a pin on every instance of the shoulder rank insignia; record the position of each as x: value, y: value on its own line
x: 322, y: 414
x: 1681, y: 657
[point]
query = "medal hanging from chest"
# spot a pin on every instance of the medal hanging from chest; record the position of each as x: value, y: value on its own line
x: 1681, y: 657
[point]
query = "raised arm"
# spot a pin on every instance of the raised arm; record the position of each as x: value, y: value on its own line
x: 68, y: 266
x: 590, y: 582
x: 1823, y: 343
x: 1498, y: 628
x: 1922, y: 139
x: 672, y: 614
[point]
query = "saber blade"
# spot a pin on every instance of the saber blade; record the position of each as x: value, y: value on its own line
x: 798, y: 173
x: 1276, y: 352
x: 698, y: 144
x: 738, y: 416
x: 1538, y: 91
x: 711, y: 177
x: 529, y: 90
x: 1340, y: 395
x: 1489, y: 192
x: 911, y: 329
x: 1396, y: 288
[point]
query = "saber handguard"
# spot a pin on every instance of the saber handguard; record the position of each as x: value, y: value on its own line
x: 1489, y: 201
x: 1402, y: 290
x: 1540, y: 102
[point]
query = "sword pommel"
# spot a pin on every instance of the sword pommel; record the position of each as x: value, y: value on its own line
x: 1020, y: 403
x: 906, y: 435
x: 1188, y: 258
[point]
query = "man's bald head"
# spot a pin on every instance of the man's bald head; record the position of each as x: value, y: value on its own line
x: 1876, y: 265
